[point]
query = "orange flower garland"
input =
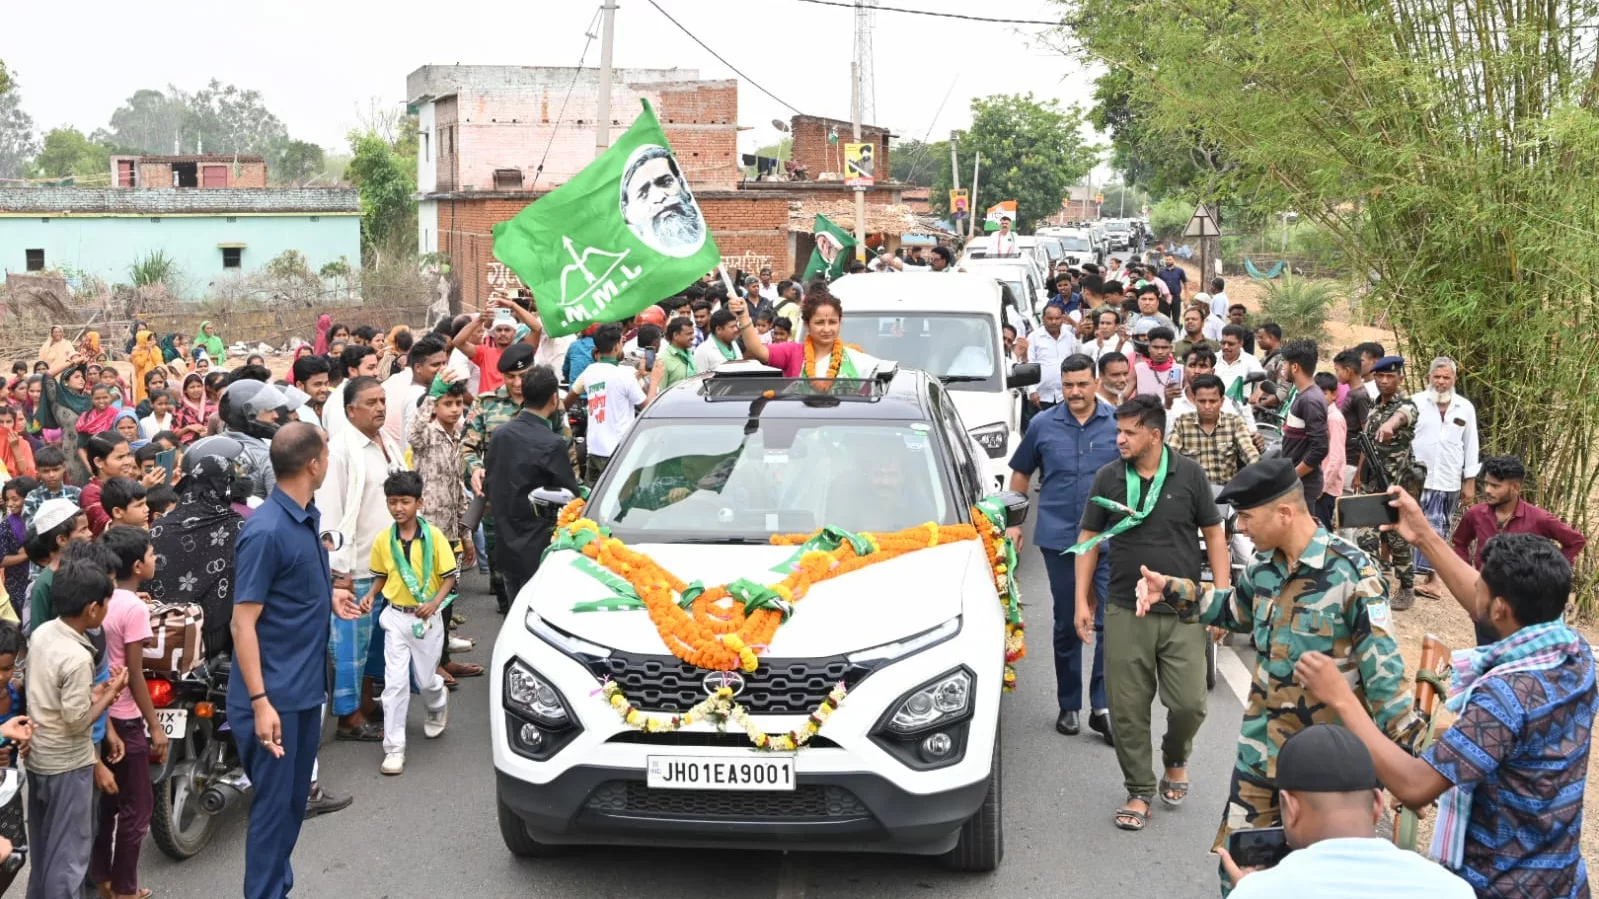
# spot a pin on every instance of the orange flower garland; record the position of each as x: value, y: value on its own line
x: 714, y: 630
x: 809, y: 369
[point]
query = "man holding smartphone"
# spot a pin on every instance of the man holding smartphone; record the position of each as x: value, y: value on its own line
x: 1314, y: 592
x: 1331, y: 805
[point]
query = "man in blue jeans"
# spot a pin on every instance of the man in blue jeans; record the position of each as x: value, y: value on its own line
x: 1069, y: 443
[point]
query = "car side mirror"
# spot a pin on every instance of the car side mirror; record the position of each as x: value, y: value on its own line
x: 1016, y: 506
x: 1024, y: 374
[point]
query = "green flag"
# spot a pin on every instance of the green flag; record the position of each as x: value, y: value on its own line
x: 829, y: 259
x: 1236, y: 390
x: 625, y: 233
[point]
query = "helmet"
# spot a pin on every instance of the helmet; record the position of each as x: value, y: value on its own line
x: 243, y: 400
x: 652, y: 315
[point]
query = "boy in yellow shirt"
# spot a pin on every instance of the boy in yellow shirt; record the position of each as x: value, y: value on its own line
x: 413, y: 568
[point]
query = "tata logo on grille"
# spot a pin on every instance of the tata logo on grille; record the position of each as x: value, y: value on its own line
x: 716, y: 680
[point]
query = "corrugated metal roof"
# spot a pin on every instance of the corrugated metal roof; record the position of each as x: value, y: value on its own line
x: 177, y: 200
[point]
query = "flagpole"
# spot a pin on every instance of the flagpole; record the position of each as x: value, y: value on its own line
x: 602, y: 122
x: 860, y: 192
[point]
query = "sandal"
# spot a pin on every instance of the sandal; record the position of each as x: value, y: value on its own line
x: 1173, y: 792
x: 1129, y: 819
x: 366, y: 732
x: 464, y: 669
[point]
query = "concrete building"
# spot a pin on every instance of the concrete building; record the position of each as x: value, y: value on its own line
x: 489, y: 144
x: 208, y: 232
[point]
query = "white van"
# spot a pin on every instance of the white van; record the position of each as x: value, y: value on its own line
x: 947, y: 324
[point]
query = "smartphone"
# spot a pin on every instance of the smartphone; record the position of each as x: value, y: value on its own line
x: 1366, y: 510
x: 1259, y: 847
x: 167, y: 460
x: 504, y: 317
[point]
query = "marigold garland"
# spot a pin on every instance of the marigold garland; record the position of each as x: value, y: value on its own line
x: 719, y: 708
x: 714, y: 630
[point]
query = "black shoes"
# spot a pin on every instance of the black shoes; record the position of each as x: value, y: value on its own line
x: 1067, y: 724
x: 322, y: 802
x: 1099, y: 722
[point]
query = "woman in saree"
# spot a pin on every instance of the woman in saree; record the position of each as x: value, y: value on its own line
x: 207, y: 338
x: 63, y: 399
x: 56, y: 349
x: 324, y: 323
x: 821, y: 354
x: 192, y: 411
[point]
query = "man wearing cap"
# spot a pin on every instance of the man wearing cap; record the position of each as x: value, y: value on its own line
x: 1332, y: 802
x: 1391, y: 428
x: 492, y: 411
x: 502, y: 328
x: 1307, y: 591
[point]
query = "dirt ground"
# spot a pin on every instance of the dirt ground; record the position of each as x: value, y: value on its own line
x: 1442, y: 617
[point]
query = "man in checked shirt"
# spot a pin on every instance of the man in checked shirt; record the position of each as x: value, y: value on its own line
x: 1219, y: 441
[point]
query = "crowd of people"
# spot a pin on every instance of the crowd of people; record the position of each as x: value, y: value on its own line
x: 1149, y: 434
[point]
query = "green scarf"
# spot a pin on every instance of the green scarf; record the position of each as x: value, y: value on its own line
x: 57, y: 393
x: 727, y: 350
x: 212, y: 345
x: 402, y: 560
x: 687, y: 357
x: 1135, y: 511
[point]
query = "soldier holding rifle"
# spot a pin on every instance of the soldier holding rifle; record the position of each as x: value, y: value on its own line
x: 1308, y: 590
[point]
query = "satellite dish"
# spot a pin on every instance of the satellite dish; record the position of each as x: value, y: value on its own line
x: 779, y: 124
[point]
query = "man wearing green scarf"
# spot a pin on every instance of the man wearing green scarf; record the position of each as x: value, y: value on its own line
x: 1151, y: 506
x: 675, y: 362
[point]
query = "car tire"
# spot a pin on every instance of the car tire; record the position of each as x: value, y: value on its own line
x: 981, y: 845
x: 515, y: 835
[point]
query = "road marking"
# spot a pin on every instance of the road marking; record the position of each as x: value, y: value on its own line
x: 1232, y: 670
x: 790, y: 882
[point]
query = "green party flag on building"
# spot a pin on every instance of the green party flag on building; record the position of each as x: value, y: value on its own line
x: 829, y: 259
x: 623, y: 234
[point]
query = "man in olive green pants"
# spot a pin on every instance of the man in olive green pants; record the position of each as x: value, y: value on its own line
x: 1152, y: 506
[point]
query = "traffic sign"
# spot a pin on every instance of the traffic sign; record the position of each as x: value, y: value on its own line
x: 1202, y: 224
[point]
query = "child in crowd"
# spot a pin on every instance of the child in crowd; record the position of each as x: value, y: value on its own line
x: 123, y: 499
x: 435, y: 440
x: 764, y: 320
x: 13, y: 534
x: 159, y: 501
x: 16, y: 454
x: 413, y: 568
x: 160, y: 417
x: 782, y: 331
x: 113, y: 384
x: 144, y: 459
x: 58, y: 523
x: 53, y: 484
x: 101, y: 415
x: 13, y: 712
x: 124, y: 816
x: 127, y: 424
x: 63, y: 704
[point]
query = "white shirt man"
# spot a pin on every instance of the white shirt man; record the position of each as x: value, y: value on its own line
x: 1219, y: 304
x: 400, y: 394
x: 1446, y: 437
x: 351, y: 497
x: 1116, y: 344
x: 1003, y: 241
x: 1049, y: 352
x: 613, y: 396
x: 1230, y: 371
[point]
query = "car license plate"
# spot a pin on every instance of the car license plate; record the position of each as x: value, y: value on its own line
x: 689, y: 772
x: 174, y: 722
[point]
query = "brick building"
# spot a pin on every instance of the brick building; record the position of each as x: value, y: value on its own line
x: 824, y: 160
x: 188, y: 171
x: 484, y: 131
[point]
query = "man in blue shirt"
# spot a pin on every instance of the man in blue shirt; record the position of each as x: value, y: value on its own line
x: 281, y: 627
x: 1069, y: 443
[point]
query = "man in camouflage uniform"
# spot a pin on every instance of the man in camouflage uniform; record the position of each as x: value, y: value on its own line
x: 1307, y: 590
x: 1391, y: 428
x: 495, y: 409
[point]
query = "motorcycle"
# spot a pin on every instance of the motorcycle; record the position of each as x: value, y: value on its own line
x: 202, y: 776
x: 1238, y: 558
x: 1268, y: 421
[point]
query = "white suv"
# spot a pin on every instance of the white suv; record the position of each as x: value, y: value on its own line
x: 903, y: 661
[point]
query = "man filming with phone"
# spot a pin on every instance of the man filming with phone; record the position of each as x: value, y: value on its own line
x: 1331, y: 805
x: 1307, y: 591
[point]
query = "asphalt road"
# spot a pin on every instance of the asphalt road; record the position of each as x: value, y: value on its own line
x: 432, y: 831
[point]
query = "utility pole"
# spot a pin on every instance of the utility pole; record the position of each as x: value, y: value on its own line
x: 860, y: 192
x: 971, y: 223
x: 602, y: 122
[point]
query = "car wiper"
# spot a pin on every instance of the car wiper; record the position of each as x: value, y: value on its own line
x: 727, y: 541
x: 961, y: 379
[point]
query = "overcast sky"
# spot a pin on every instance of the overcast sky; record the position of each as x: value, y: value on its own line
x: 318, y: 63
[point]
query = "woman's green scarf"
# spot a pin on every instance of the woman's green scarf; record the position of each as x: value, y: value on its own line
x: 212, y: 344
x: 56, y: 392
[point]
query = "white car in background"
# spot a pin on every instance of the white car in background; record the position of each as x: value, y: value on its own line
x: 1020, y: 274
x: 948, y: 324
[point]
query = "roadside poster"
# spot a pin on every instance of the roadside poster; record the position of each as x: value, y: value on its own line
x: 960, y: 203
x: 860, y: 164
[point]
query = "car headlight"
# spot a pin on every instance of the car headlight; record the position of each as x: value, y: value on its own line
x: 568, y: 643
x: 943, y: 699
x: 530, y: 694
x: 899, y: 649
x: 992, y: 438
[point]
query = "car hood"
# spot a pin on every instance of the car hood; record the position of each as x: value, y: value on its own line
x: 864, y: 608
x: 981, y: 407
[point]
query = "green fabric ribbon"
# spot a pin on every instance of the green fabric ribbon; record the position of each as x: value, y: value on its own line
x: 690, y: 593
x: 402, y: 560
x: 623, y: 598
x: 1135, y: 511
x: 758, y: 596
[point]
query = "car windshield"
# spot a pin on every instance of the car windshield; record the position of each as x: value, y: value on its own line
x: 742, y: 480
x: 1074, y: 243
x: 1116, y: 226
x: 958, y: 347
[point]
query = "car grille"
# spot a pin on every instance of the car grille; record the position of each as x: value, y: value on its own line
x: 814, y: 802
x: 778, y: 687
x: 700, y: 738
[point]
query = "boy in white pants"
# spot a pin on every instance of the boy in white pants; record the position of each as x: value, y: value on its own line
x: 413, y: 567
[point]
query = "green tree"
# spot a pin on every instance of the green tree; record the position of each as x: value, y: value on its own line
x: 149, y: 122
x: 1448, y: 149
x: 223, y: 118
x: 1122, y: 201
x: 297, y: 162
x: 17, y: 141
x: 1032, y: 152
x: 386, y: 178
x: 5, y: 78
x: 915, y: 162
x: 67, y: 152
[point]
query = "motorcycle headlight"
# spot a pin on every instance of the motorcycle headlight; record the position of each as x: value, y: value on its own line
x: 944, y: 699
x: 530, y: 694
x: 992, y: 438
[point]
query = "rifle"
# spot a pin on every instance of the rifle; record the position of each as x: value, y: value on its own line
x: 1432, y: 678
x: 1369, y: 457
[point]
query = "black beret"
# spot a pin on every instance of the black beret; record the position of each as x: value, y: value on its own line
x: 517, y: 357
x: 1260, y: 483
x: 1389, y: 363
x: 1325, y: 758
